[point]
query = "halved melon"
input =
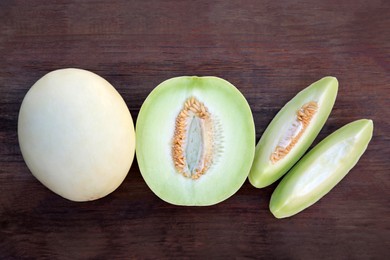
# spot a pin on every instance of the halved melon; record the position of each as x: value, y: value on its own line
x: 195, y: 140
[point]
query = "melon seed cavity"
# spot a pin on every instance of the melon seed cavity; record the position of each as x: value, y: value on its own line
x: 303, y: 117
x: 193, y: 142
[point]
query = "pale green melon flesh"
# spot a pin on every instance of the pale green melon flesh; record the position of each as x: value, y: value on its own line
x: 265, y: 172
x: 321, y: 169
x: 234, y: 129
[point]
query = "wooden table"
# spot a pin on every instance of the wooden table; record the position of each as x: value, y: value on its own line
x: 270, y: 50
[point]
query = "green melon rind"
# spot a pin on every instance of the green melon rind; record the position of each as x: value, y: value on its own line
x: 264, y: 172
x: 154, y: 132
x: 321, y: 169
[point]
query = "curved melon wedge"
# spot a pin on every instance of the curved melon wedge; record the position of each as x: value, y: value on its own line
x: 196, y: 140
x: 321, y: 169
x: 292, y: 131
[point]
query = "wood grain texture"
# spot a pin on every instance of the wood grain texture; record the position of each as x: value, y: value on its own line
x: 270, y: 50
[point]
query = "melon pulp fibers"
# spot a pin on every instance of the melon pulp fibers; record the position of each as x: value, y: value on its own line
x: 321, y: 169
x: 292, y: 131
x: 195, y: 140
x: 76, y: 134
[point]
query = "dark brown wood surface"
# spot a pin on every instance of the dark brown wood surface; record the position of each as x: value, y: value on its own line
x: 270, y: 50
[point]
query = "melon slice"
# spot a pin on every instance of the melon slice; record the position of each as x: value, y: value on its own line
x: 292, y: 131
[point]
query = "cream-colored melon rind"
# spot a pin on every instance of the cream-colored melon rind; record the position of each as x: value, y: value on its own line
x: 76, y: 134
